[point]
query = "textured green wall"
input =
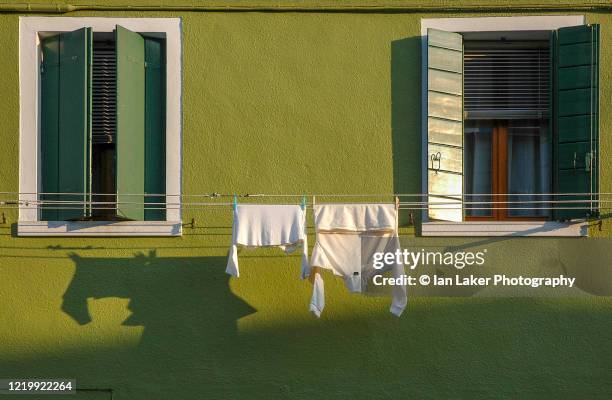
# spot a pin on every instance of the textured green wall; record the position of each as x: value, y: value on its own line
x: 280, y: 103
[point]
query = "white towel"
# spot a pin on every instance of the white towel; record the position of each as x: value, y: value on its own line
x: 257, y: 225
x: 340, y: 229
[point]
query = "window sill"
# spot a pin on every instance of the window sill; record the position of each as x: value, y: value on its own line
x: 99, y: 228
x: 576, y: 228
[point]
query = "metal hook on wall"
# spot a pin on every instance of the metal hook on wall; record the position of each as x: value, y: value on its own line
x: 190, y: 224
x: 436, y: 157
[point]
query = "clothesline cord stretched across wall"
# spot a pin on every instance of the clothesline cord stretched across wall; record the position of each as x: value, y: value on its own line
x: 248, y: 195
x: 7, y: 201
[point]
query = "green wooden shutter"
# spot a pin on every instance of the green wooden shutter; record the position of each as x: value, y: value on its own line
x: 66, y: 123
x: 577, y: 119
x: 155, y: 128
x: 130, y: 123
x: 445, y: 124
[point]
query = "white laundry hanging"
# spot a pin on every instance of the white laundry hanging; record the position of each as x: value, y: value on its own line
x: 257, y: 225
x: 348, y: 236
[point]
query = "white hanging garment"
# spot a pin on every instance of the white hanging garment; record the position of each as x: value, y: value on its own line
x: 348, y: 236
x: 257, y: 225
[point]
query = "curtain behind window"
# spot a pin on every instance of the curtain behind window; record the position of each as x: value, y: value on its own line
x: 478, y: 167
x: 529, y: 168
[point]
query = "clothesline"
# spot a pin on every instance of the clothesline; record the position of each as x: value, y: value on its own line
x: 568, y: 204
x: 453, y: 206
x: 209, y: 204
x: 440, y: 201
x: 101, y: 203
x: 247, y: 195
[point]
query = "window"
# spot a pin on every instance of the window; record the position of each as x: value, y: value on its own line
x: 108, y: 131
x: 507, y: 162
x: 102, y: 130
x: 507, y: 150
x: 512, y: 121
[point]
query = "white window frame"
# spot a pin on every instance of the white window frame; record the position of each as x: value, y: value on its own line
x: 29, y: 223
x: 489, y: 228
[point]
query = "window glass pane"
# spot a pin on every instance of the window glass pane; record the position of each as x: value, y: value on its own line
x: 529, y: 168
x: 478, y: 142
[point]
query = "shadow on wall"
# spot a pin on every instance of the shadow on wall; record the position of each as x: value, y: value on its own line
x: 191, y: 348
x: 406, y: 119
x: 180, y: 291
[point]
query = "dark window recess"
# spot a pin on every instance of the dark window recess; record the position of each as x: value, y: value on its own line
x: 104, y: 92
x: 104, y: 99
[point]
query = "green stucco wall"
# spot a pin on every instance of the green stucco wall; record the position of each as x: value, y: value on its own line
x: 281, y: 103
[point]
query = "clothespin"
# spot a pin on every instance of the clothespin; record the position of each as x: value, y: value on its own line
x: 397, y: 203
x: 303, y: 205
x: 314, y: 201
x: 235, y: 202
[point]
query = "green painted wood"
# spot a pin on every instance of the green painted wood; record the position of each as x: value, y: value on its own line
x: 575, y: 54
x: 444, y: 131
x: 574, y: 129
x: 439, y: 58
x: 577, y: 119
x: 574, y: 34
x: 445, y: 121
x: 452, y: 160
x: 443, y: 39
x: 443, y: 81
x: 569, y: 181
x: 575, y: 78
x: 572, y: 155
x: 130, y: 123
x: 66, y: 121
x: 575, y: 102
x: 74, y: 119
x: 49, y: 123
x: 155, y: 128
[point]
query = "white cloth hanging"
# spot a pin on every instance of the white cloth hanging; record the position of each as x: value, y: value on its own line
x: 348, y: 236
x: 257, y: 225
x: 355, y: 217
x: 317, y: 301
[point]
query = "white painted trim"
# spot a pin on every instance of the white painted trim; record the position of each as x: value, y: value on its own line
x: 506, y: 228
x: 95, y: 228
x: 476, y: 24
x: 493, y: 24
x: 29, y: 99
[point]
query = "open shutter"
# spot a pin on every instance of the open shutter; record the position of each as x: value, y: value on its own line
x: 155, y: 121
x: 66, y: 123
x: 577, y: 120
x: 445, y: 124
x: 130, y: 123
